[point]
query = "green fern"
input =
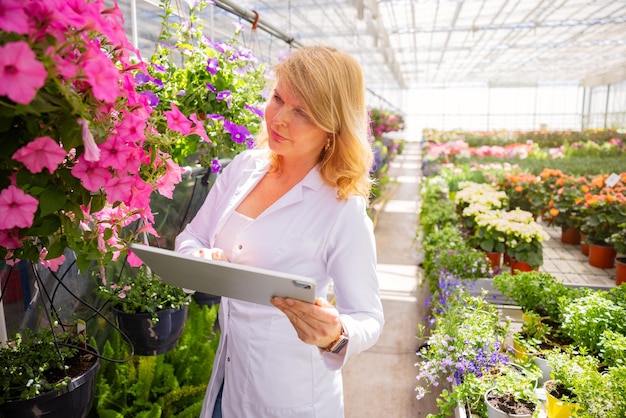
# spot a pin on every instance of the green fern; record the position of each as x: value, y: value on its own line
x: 170, y: 385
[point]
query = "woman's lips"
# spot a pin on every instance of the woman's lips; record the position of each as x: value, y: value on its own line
x: 277, y: 137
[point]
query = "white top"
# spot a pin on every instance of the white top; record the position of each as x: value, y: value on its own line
x: 268, y: 371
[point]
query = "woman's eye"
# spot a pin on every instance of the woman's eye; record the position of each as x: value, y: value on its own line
x: 277, y: 98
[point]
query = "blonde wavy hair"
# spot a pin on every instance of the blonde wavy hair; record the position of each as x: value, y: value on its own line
x: 330, y: 85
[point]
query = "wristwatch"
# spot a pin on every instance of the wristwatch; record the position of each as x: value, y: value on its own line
x: 337, y: 345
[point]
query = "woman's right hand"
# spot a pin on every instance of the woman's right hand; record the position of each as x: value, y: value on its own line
x: 211, y: 254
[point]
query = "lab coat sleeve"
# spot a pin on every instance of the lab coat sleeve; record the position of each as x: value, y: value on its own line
x: 351, y: 254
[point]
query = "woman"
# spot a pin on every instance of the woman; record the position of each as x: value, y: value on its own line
x: 297, y: 204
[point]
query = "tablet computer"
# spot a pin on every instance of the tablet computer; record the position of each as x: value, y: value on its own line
x: 224, y: 278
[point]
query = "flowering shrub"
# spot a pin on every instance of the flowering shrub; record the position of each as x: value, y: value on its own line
x: 525, y: 237
x: 80, y: 154
x: 210, y: 99
x: 524, y: 191
x: 604, y: 209
x: 383, y: 121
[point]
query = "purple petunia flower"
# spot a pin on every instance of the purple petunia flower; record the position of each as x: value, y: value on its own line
x: 153, y: 99
x: 211, y: 87
x: 225, y: 95
x: 254, y: 110
x: 215, y: 116
x: 215, y: 165
x: 213, y: 65
x: 141, y: 79
x: 238, y: 133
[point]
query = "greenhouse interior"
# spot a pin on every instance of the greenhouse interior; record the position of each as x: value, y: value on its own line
x: 470, y: 263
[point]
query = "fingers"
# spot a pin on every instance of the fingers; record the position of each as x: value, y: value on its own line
x: 314, y: 323
x: 211, y: 254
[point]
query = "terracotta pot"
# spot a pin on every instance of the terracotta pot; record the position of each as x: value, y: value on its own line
x: 520, y: 266
x: 620, y: 270
x: 602, y: 256
x: 495, y: 259
x: 506, y: 259
x: 584, y: 248
x: 570, y: 235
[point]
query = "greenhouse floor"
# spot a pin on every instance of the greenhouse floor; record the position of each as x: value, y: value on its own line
x: 567, y: 263
x: 380, y: 382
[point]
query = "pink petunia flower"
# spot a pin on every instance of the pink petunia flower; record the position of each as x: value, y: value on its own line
x: 13, y: 18
x: 102, y: 75
x: 198, y: 128
x: 42, y: 152
x: 176, y: 121
x: 92, y: 152
x: 54, y: 263
x: 21, y: 74
x: 17, y: 209
x: 92, y: 176
x: 10, y: 239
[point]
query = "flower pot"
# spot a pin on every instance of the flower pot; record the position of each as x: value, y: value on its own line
x: 570, y: 235
x: 620, y: 270
x: 73, y: 401
x: 495, y: 259
x: 602, y: 256
x: 149, y: 338
x: 584, y: 247
x: 206, y: 299
x: 506, y: 259
x: 545, y: 368
x: 520, y: 266
x: 556, y: 408
x: 493, y: 411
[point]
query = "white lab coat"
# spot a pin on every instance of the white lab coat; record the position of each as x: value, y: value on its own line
x: 308, y: 231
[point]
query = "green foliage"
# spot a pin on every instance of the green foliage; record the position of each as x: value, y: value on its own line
x: 597, y: 394
x: 141, y: 291
x: 180, y: 77
x: 534, y: 291
x: 31, y: 359
x: 168, y: 385
x: 585, y: 319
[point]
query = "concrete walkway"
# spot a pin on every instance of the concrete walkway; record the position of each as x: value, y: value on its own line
x: 380, y: 382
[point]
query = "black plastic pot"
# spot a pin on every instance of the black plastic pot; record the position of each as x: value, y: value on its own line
x: 206, y: 299
x: 73, y: 401
x: 149, y: 338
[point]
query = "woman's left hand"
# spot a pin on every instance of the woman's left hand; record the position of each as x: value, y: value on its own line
x: 316, y: 323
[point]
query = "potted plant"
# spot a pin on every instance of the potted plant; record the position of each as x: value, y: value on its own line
x: 150, y: 312
x: 49, y: 372
x: 80, y: 154
x: 524, y: 242
x: 565, y: 207
x: 490, y: 235
x: 604, y: 211
x: 580, y: 388
x: 513, y: 395
x: 586, y: 318
x: 211, y: 90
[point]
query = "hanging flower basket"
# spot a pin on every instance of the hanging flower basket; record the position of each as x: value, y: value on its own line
x: 150, y: 338
x: 72, y: 401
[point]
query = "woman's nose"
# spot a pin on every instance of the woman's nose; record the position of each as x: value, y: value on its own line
x: 281, y: 117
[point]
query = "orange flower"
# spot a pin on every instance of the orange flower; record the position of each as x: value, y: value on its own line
x: 554, y: 212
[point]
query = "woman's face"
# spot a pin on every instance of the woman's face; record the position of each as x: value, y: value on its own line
x: 291, y: 133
